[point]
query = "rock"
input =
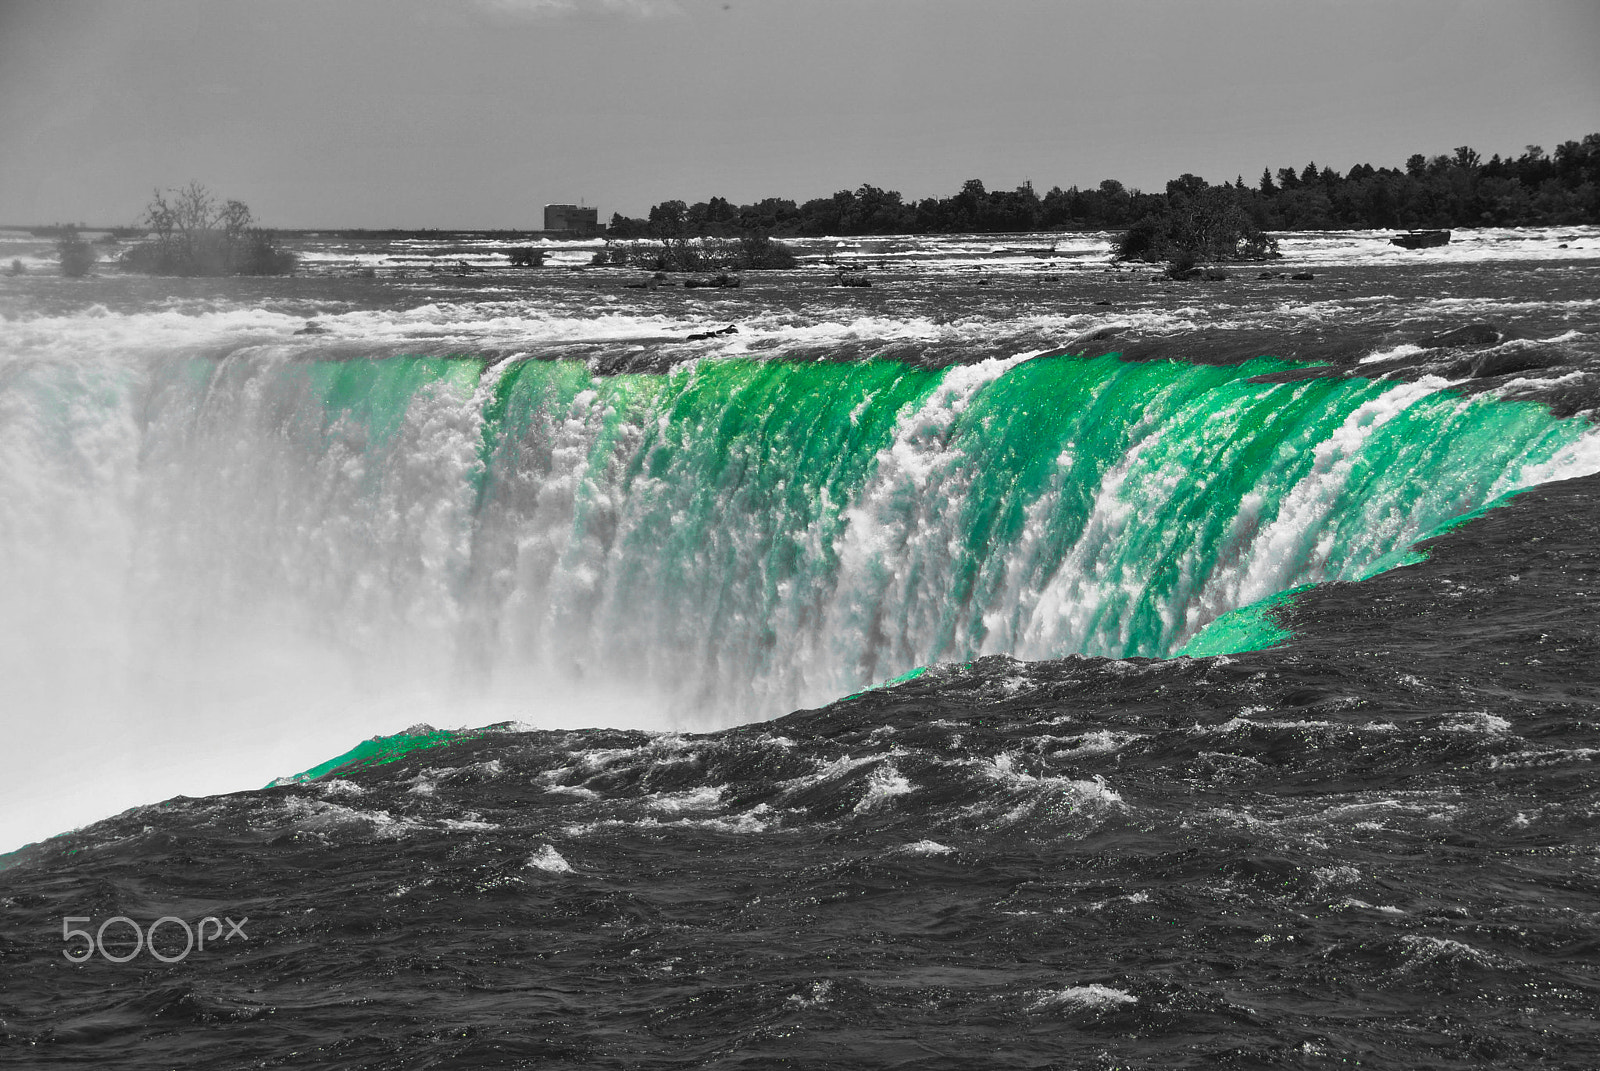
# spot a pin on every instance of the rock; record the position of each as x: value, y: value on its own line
x: 312, y: 328
x: 1420, y: 239
x: 1505, y: 363
x: 1302, y: 275
x: 1103, y: 334
x: 730, y: 329
x: 1470, y: 335
x: 718, y: 281
x: 1267, y: 275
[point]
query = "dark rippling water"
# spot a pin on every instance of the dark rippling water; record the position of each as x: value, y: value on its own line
x: 1372, y: 845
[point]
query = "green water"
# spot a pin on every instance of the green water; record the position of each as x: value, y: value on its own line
x: 1249, y: 628
x: 737, y: 538
x: 380, y: 751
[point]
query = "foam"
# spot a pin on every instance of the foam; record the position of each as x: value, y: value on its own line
x: 1053, y: 796
x: 1093, y: 997
x: 1099, y: 742
x: 762, y: 818
x: 925, y: 847
x: 1466, y: 246
x: 1423, y: 949
x: 704, y: 798
x: 549, y: 860
x: 317, y: 816
x: 884, y: 785
x: 1477, y: 721
x: 818, y: 994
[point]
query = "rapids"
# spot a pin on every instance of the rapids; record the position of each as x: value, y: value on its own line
x: 275, y: 547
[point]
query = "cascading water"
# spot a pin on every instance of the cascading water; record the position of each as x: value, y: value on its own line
x: 266, y: 550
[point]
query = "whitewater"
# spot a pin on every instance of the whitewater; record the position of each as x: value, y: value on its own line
x: 243, y: 530
x: 1025, y: 660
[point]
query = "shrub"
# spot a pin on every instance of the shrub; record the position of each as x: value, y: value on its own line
x: 680, y: 253
x: 77, y: 256
x: 192, y: 235
x: 1207, y: 224
x: 760, y: 251
x: 614, y: 253
x: 262, y: 257
x: 1182, y: 266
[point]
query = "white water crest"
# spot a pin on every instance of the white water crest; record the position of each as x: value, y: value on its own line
x: 227, y: 554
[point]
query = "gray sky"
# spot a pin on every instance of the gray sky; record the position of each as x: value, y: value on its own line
x: 474, y: 113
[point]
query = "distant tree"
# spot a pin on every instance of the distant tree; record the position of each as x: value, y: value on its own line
x: 721, y: 217
x: 625, y: 227
x: 1194, y: 226
x: 1578, y: 162
x: 192, y: 234
x: 1055, y: 208
x: 668, y: 219
x: 1010, y: 210
x: 1534, y: 167
x: 760, y: 251
x: 1185, y: 185
x: 76, y: 255
x: 1116, y: 202
x: 772, y: 215
x: 679, y: 253
x: 871, y: 210
x: 1436, y: 191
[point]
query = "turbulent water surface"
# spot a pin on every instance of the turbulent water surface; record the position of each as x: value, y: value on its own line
x: 247, y: 523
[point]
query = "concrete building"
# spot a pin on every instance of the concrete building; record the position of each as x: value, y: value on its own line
x: 572, y: 219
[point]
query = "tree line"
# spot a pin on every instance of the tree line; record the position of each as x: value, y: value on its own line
x: 1455, y: 190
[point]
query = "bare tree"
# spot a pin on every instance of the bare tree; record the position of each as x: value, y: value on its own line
x: 234, y: 219
x: 192, y: 234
